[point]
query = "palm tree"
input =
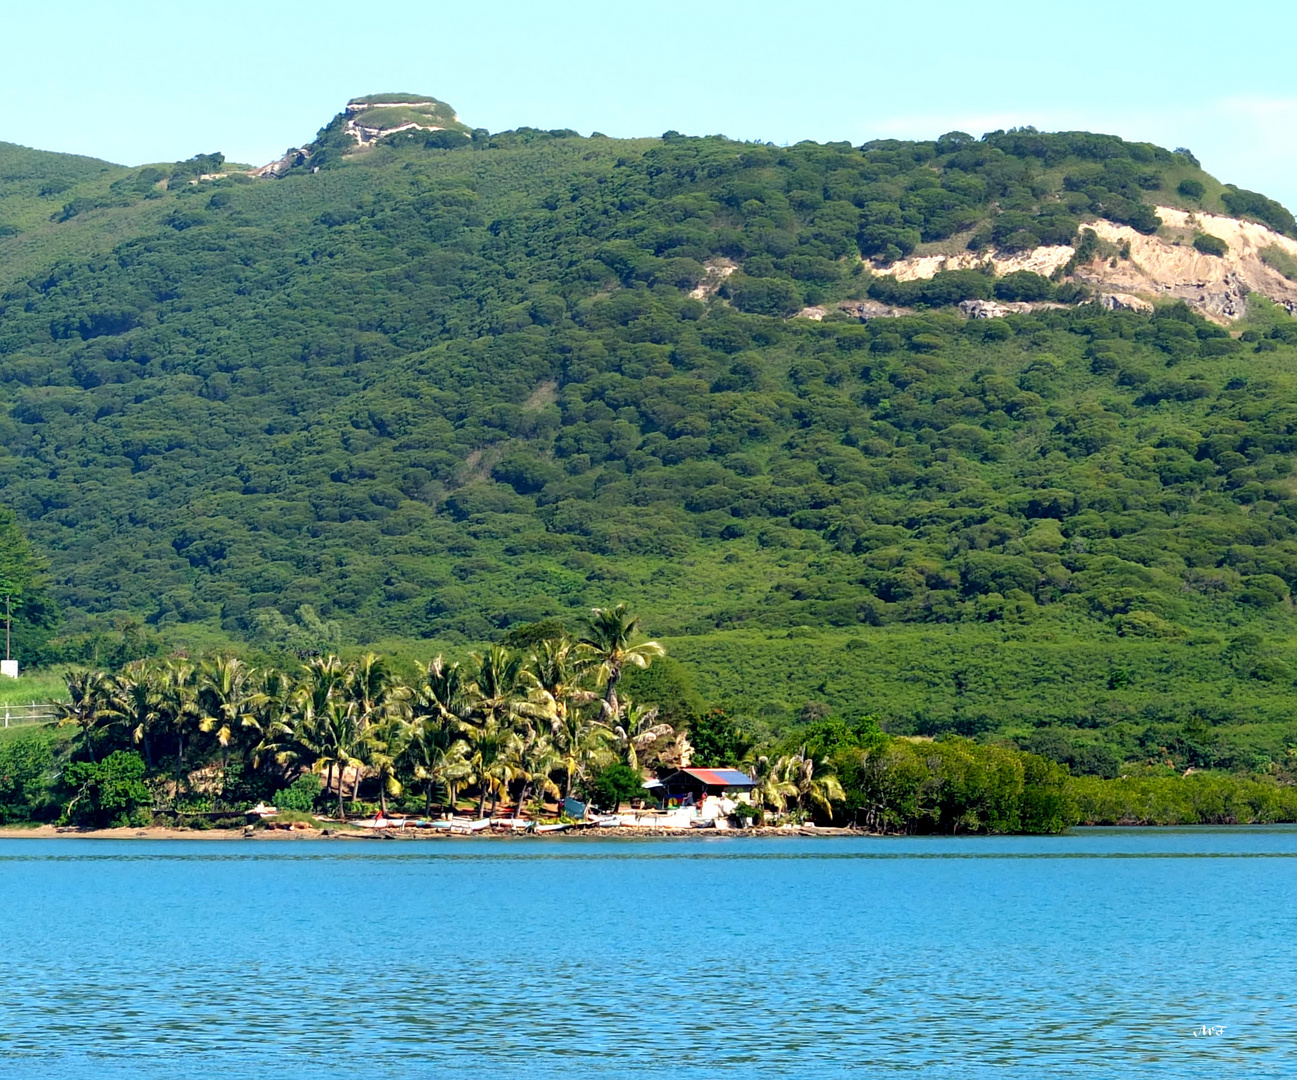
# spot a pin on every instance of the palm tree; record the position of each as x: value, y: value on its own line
x: 374, y: 688
x: 581, y: 744
x: 135, y: 702
x: 503, y: 691
x: 381, y: 751
x: 772, y: 789
x: 87, y: 696
x: 536, y: 760
x: 609, y: 641
x: 178, y: 694
x: 338, y: 741
x: 227, y: 697
x: 637, y: 731
x: 437, y: 757
x: 492, y: 749
x: 505, y: 698
x: 379, y: 703
x: 813, y: 792
x: 560, y: 668
x: 308, y: 731
x: 269, y: 719
x: 440, y: 708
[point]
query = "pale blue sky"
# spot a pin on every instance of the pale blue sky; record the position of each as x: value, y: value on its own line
x: 137, y: 80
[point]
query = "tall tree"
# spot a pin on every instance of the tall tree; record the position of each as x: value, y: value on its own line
x: 22, y: 579
x: 609, y: 639
x: 87, y: 698
x: 562, y: 672
x: 636, y: 731
x: 436, y: 750
x: 135, y: 703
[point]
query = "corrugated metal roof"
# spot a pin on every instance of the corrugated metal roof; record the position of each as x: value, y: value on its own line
x: 720, y: 777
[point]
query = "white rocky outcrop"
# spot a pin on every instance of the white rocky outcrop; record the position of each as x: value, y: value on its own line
x: 1147, y: 268
x: 1123, y: 302
x: 715, y: 273
x: 1041, y: 260
x: 366, y: 134
x: 992, y: 309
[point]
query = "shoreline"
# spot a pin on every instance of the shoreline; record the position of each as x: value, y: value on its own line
x: 152, y: 832
x: 158, y: 832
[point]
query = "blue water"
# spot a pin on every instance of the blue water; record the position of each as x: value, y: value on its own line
x: 1096, y: 955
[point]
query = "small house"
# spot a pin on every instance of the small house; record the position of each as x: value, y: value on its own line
x: 687, y: 787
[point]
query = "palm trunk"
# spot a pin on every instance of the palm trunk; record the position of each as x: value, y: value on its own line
x: 355, y: 790
x: 610, y: 695
x: 342, y: 813
x: 522, y: 795
x: 382, y: 796
x: 90, y: 750
x: 427, y: 801
x: 481, y: 804
x: 148, y: 751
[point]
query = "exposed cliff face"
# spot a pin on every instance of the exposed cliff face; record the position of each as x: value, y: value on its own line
x: 367, y: 121
x: 370, y: 119
x: 1168, y: 265
x: 1149, y: 268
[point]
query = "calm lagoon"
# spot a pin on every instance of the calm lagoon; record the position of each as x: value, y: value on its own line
x: 1101, y: 954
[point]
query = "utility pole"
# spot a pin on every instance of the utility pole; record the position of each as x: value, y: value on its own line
x: 8, y: 666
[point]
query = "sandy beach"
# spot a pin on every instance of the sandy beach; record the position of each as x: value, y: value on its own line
x: 334, y: 832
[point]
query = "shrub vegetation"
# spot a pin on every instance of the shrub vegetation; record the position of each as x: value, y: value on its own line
x: 430, y: 395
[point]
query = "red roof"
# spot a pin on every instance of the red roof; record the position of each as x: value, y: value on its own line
x: 720, y: 777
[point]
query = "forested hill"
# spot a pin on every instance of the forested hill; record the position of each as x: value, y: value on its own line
x: 457, y: 382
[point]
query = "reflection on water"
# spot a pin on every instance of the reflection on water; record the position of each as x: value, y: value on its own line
x: 1099, y: 954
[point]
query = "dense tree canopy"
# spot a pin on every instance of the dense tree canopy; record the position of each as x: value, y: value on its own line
x: 438, y: 391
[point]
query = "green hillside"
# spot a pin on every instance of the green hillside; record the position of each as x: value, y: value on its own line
x: 425, y: 395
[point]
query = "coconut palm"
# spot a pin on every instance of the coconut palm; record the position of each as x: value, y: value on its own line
x: 87, y: 696
x: 379, y: 703
x: 437, y: 756
x: 814, y: 791
x: 268, y: 722
x: 178, y: 699
x: 490, y: 757
x: 535, y: 762
x: 507, y: 702
x: 436, y: 751
x: 339, y: 736
x: 135, y: 704
x: 504, y: 692
x: 443, y: 695
x: 561, y: 669
x: 310, y: 729
x: 609, y: 640
x: 381, y: 749
x: 581, y: 744
x: 637, y: 731
x: 773, y: 789
x: 374, y: 688
x: 228, y: 697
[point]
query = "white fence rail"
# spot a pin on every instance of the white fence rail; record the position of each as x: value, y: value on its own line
x: 36, y: 712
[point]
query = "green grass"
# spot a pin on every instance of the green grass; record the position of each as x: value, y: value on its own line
x: 392, y: 118
x: 386, y: 99
x: 234, y: 398
x: 33, y: 686
x: 1279, y: 259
